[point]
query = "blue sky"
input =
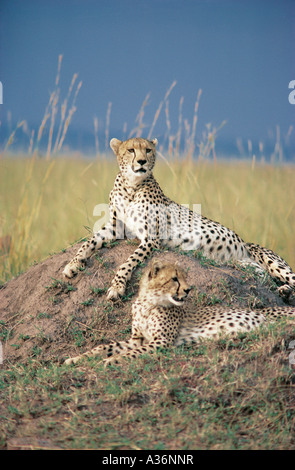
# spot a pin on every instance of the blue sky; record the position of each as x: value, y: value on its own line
x: 240, y: 53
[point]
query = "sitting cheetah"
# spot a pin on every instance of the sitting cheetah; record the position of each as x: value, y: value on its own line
x: 159, y: 319
x: 140, y: 209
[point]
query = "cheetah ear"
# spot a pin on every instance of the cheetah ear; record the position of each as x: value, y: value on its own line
x: 154, y: 142
x: 155, y: 268
x: 115, y: 144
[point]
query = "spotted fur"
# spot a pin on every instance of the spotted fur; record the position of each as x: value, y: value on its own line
x: 139, y: 208
x: 159, y: 319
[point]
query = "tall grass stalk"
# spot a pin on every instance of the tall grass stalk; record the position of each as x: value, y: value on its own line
x: 150, y: 134
x: 63, y: 112
x: 95, y: 123
x: 108, y: 120
x: 191, y: 138
x: 11, y: 139
x: 71, y: 112
x: 51, y: 113
x: 137, y: 130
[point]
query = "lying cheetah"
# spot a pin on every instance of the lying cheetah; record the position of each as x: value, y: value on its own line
x: 159, y: 319
x: 140, y: 209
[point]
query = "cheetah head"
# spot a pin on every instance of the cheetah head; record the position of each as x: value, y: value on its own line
x: 136, y: 158
x: 165, y: 283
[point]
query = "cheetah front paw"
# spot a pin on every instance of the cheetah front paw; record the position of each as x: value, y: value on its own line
x: 72, y: 360
x: 285, y: 291
x: 112, y: 360
x: 115, y: 292
x: 72, y: 268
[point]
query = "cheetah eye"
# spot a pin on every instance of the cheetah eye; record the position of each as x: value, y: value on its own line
x: 175, y: 279
x: 148, y: 150
x: 131, y: 150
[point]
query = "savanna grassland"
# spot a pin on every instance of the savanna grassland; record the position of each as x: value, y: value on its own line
x: 228, y: 393
x: 47, y: 205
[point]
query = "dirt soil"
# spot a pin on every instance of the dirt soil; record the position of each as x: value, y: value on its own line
x: 44, y: 317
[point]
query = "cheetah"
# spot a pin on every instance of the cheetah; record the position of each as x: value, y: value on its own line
x: 139, y: 209
x: 159, y: 319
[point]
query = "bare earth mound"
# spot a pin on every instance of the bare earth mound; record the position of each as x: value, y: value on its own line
x: 44, y: 317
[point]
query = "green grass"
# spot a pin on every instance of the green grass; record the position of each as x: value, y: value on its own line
x: 46, y: 206
x: 225, y: 394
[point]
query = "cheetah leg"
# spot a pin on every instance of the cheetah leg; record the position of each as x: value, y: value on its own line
x: 115, y: 348
x: 124, y: 273
x: 134, y: 353
x: 271, y: 313
x: 278, y: 269
x: 250, y: 262
x: 106, y: 234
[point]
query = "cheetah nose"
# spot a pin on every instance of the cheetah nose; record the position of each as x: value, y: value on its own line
x: 141, y: 162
